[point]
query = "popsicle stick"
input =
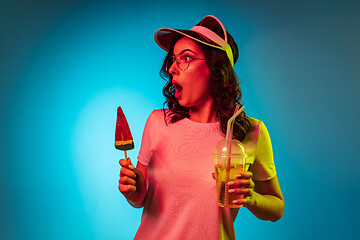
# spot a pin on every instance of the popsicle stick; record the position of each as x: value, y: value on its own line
x: 125, y: 155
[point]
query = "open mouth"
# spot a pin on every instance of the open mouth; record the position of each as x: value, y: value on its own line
x: 178, y: 89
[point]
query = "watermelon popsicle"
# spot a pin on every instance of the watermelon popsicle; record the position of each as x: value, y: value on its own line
x: 123, y: 138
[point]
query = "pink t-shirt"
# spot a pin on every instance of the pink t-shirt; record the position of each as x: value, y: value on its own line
x: 181, y: 201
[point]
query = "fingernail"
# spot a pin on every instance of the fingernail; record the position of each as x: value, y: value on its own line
x: 230, y: 183
x: 231, y: 190
x: 131, y: 167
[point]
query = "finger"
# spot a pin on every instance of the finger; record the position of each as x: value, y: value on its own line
x: 240, y: 183
x: 252, y: 184
x: 127, y: 172
x: 244, y: 175
x: 241, y: 191
x: 127, y: 181
x: 126, y: 189
x: 126, y: 164
x: 240, y: 202
x: 131, y: 166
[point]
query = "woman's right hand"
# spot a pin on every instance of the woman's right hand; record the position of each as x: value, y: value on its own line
x: 132, y: 183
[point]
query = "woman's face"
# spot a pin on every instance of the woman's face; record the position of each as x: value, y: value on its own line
x: 191, y: 85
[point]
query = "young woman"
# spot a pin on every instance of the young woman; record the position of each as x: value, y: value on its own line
x: 174, y: 179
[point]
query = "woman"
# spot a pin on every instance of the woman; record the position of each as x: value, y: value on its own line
x: 173, y: 179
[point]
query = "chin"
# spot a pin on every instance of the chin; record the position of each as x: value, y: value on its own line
x: 185, y: 104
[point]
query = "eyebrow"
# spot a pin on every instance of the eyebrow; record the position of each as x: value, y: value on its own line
x: 185, y: 51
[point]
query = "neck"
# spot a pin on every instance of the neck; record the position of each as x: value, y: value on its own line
x: 204, y: 114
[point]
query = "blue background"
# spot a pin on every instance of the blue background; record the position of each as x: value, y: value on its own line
x: 66, y: 65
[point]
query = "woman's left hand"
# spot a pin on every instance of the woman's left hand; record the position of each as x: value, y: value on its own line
x: 243, y: 186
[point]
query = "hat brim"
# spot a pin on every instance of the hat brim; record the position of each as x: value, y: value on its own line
x: 209, y: 31
x: 165, y: 37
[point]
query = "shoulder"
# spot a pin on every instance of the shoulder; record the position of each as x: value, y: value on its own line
x: 254, y: 124
x: 253, y: 121
x: 159, y: 113
x: 256, y: 127
x: 156, y: 113
x: 158, y: 116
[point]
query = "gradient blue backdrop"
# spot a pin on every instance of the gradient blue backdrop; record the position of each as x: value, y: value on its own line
x: 66, y: 65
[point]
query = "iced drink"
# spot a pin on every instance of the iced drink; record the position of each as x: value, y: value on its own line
x: 227, y: 165
x: 226, y: 200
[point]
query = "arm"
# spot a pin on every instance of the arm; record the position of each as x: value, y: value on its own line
x: 263, y: 198
x: 132, y: 183
x: 267, y: 202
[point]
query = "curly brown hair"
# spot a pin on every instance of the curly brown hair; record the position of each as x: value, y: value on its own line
x: 224, y: 85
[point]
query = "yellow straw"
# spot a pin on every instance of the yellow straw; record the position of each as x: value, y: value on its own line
x: 229, y: 132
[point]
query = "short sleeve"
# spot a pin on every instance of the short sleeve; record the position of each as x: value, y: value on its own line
x: 264, y: 167
x: 145, y: 149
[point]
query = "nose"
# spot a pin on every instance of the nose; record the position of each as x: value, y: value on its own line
x: 173, y: 69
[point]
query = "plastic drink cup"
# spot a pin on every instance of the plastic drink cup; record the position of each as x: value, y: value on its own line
x: 227, y: 165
